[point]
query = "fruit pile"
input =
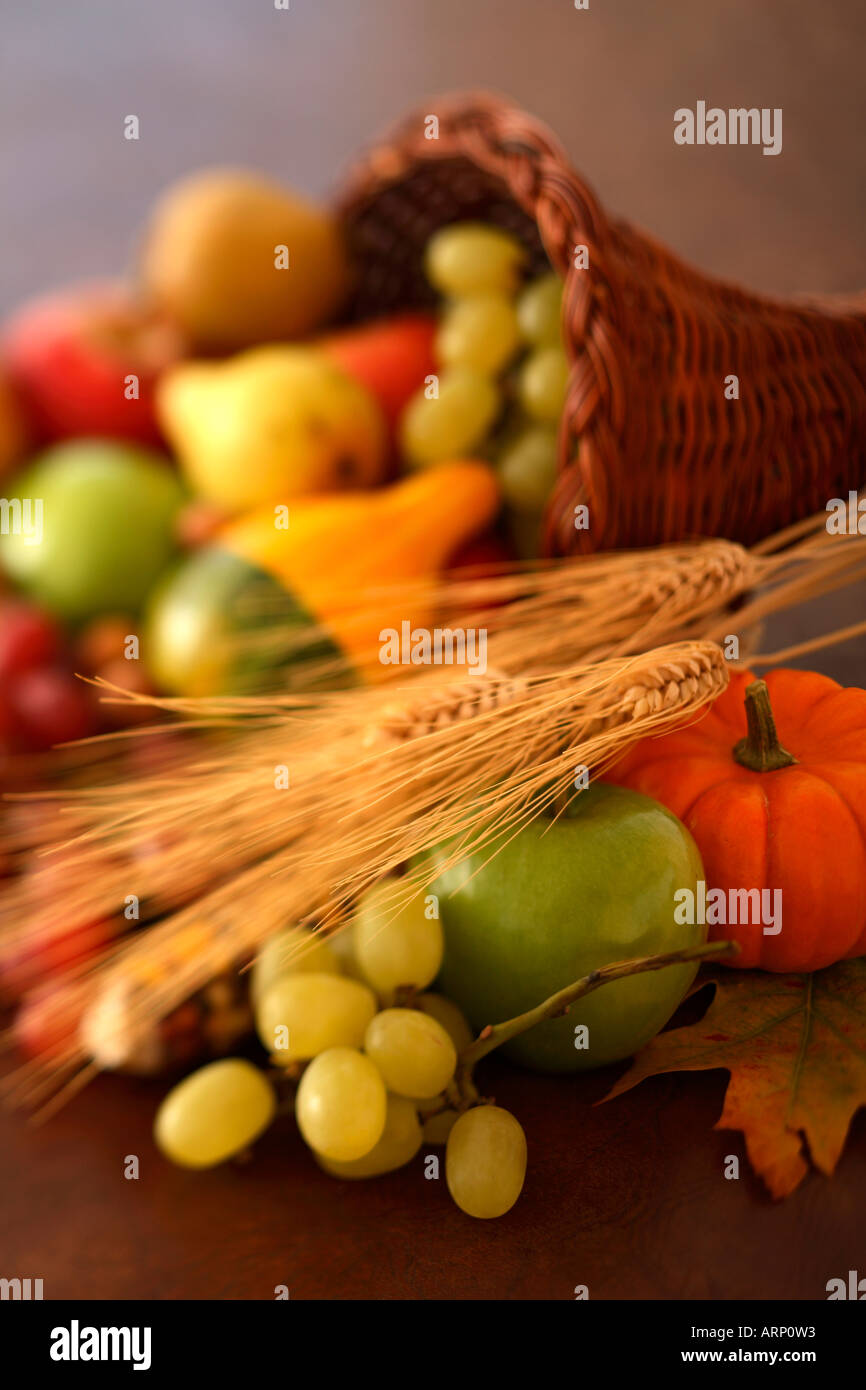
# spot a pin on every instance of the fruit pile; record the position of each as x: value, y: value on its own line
x: 202, y: 443
x: 181, y: 449
x: 178, y: 449
x: 375, y: 1076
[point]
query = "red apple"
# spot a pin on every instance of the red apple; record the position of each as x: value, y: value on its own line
x: 50, y: 706
x: 48, y: 1019
x: 29, y: 637
x: 69, y: 356
x: 32, y: 959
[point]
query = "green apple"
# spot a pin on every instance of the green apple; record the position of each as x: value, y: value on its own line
x: 560, y: 899
x: 106, y: 514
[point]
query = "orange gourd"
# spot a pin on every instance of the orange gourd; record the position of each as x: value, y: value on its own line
x: 347, y: 557
x: 773, y: 810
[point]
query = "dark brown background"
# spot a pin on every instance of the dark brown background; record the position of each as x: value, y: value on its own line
x: 627, y: 1198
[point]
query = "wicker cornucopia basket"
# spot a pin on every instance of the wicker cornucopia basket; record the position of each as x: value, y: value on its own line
x: 650, y: 441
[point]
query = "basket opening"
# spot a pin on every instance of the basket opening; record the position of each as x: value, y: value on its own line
x: 389, y: 228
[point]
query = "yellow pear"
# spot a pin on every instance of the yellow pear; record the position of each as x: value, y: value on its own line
x: 269, y: 425
x: 235, y: 258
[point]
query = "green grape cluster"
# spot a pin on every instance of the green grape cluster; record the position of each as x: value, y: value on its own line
x: 504, y: 374
x: 376, y: 1076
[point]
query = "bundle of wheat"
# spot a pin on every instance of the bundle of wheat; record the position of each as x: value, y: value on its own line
x: 286, y: 808
x: 398, y: 774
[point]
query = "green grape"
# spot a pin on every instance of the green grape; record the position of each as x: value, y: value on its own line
x: 446, y: 1012
x: 543, y: 379
x: 400, y: 1141
x: 291, y: 951
x: 473, y: 258
x: 412, y: 1051
x: 452, y: 424
x: 539, y: 312
x: 438, y: 1127
x: 214, y: 1113
x: 481, y: 332
x: 300, y: 1016
x: 485, y: 1161
x: 527, y: 470
x: 343, y: 947
x: 341, y: 1105
x: 395, y: 946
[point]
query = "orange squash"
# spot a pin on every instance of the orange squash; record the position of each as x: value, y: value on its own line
x: 772, y: 810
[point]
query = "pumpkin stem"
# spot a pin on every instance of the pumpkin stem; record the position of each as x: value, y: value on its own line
x: 760, y: 750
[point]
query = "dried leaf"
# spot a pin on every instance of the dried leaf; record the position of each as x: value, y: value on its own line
x: 795, y: 1047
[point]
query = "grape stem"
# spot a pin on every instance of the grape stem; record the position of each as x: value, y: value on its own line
x: 495, y: 1034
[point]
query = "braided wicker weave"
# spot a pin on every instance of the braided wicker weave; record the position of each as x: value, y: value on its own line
x: 648, y: 439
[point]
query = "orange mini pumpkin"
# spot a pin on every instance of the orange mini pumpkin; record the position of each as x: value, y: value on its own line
x: 773, y: 811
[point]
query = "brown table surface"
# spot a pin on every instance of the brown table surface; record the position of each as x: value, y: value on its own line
x: 628, y: 1198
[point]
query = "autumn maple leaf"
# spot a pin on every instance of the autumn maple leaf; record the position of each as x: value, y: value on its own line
x: 795, y: 1046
